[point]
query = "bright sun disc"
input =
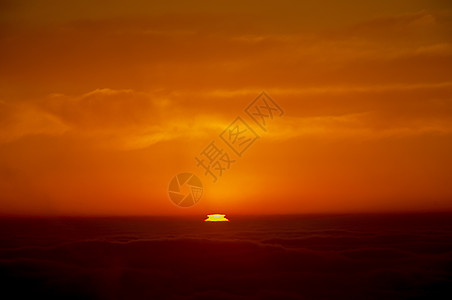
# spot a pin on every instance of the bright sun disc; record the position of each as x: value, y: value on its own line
x: 216, y: 218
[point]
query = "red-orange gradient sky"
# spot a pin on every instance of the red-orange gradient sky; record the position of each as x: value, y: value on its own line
x: 102, y: 103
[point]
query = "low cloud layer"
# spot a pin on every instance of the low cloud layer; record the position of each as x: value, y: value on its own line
x: 371, y: 256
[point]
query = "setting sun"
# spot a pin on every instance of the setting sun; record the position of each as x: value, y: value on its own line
x: 216, y: 218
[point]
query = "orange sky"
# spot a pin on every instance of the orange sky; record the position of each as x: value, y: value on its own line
x: 102, y: 104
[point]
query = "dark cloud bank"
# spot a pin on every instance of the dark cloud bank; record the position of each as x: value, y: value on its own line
x: 284, y: 257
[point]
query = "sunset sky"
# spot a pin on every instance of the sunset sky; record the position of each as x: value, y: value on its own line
x: 101, y: 104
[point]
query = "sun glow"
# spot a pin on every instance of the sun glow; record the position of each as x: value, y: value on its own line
x: 216, y: 218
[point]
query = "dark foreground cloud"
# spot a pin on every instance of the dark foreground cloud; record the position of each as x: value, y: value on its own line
x: 372, y: 257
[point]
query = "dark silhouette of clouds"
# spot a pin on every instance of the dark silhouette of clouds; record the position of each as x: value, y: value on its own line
x: 304, y: 257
